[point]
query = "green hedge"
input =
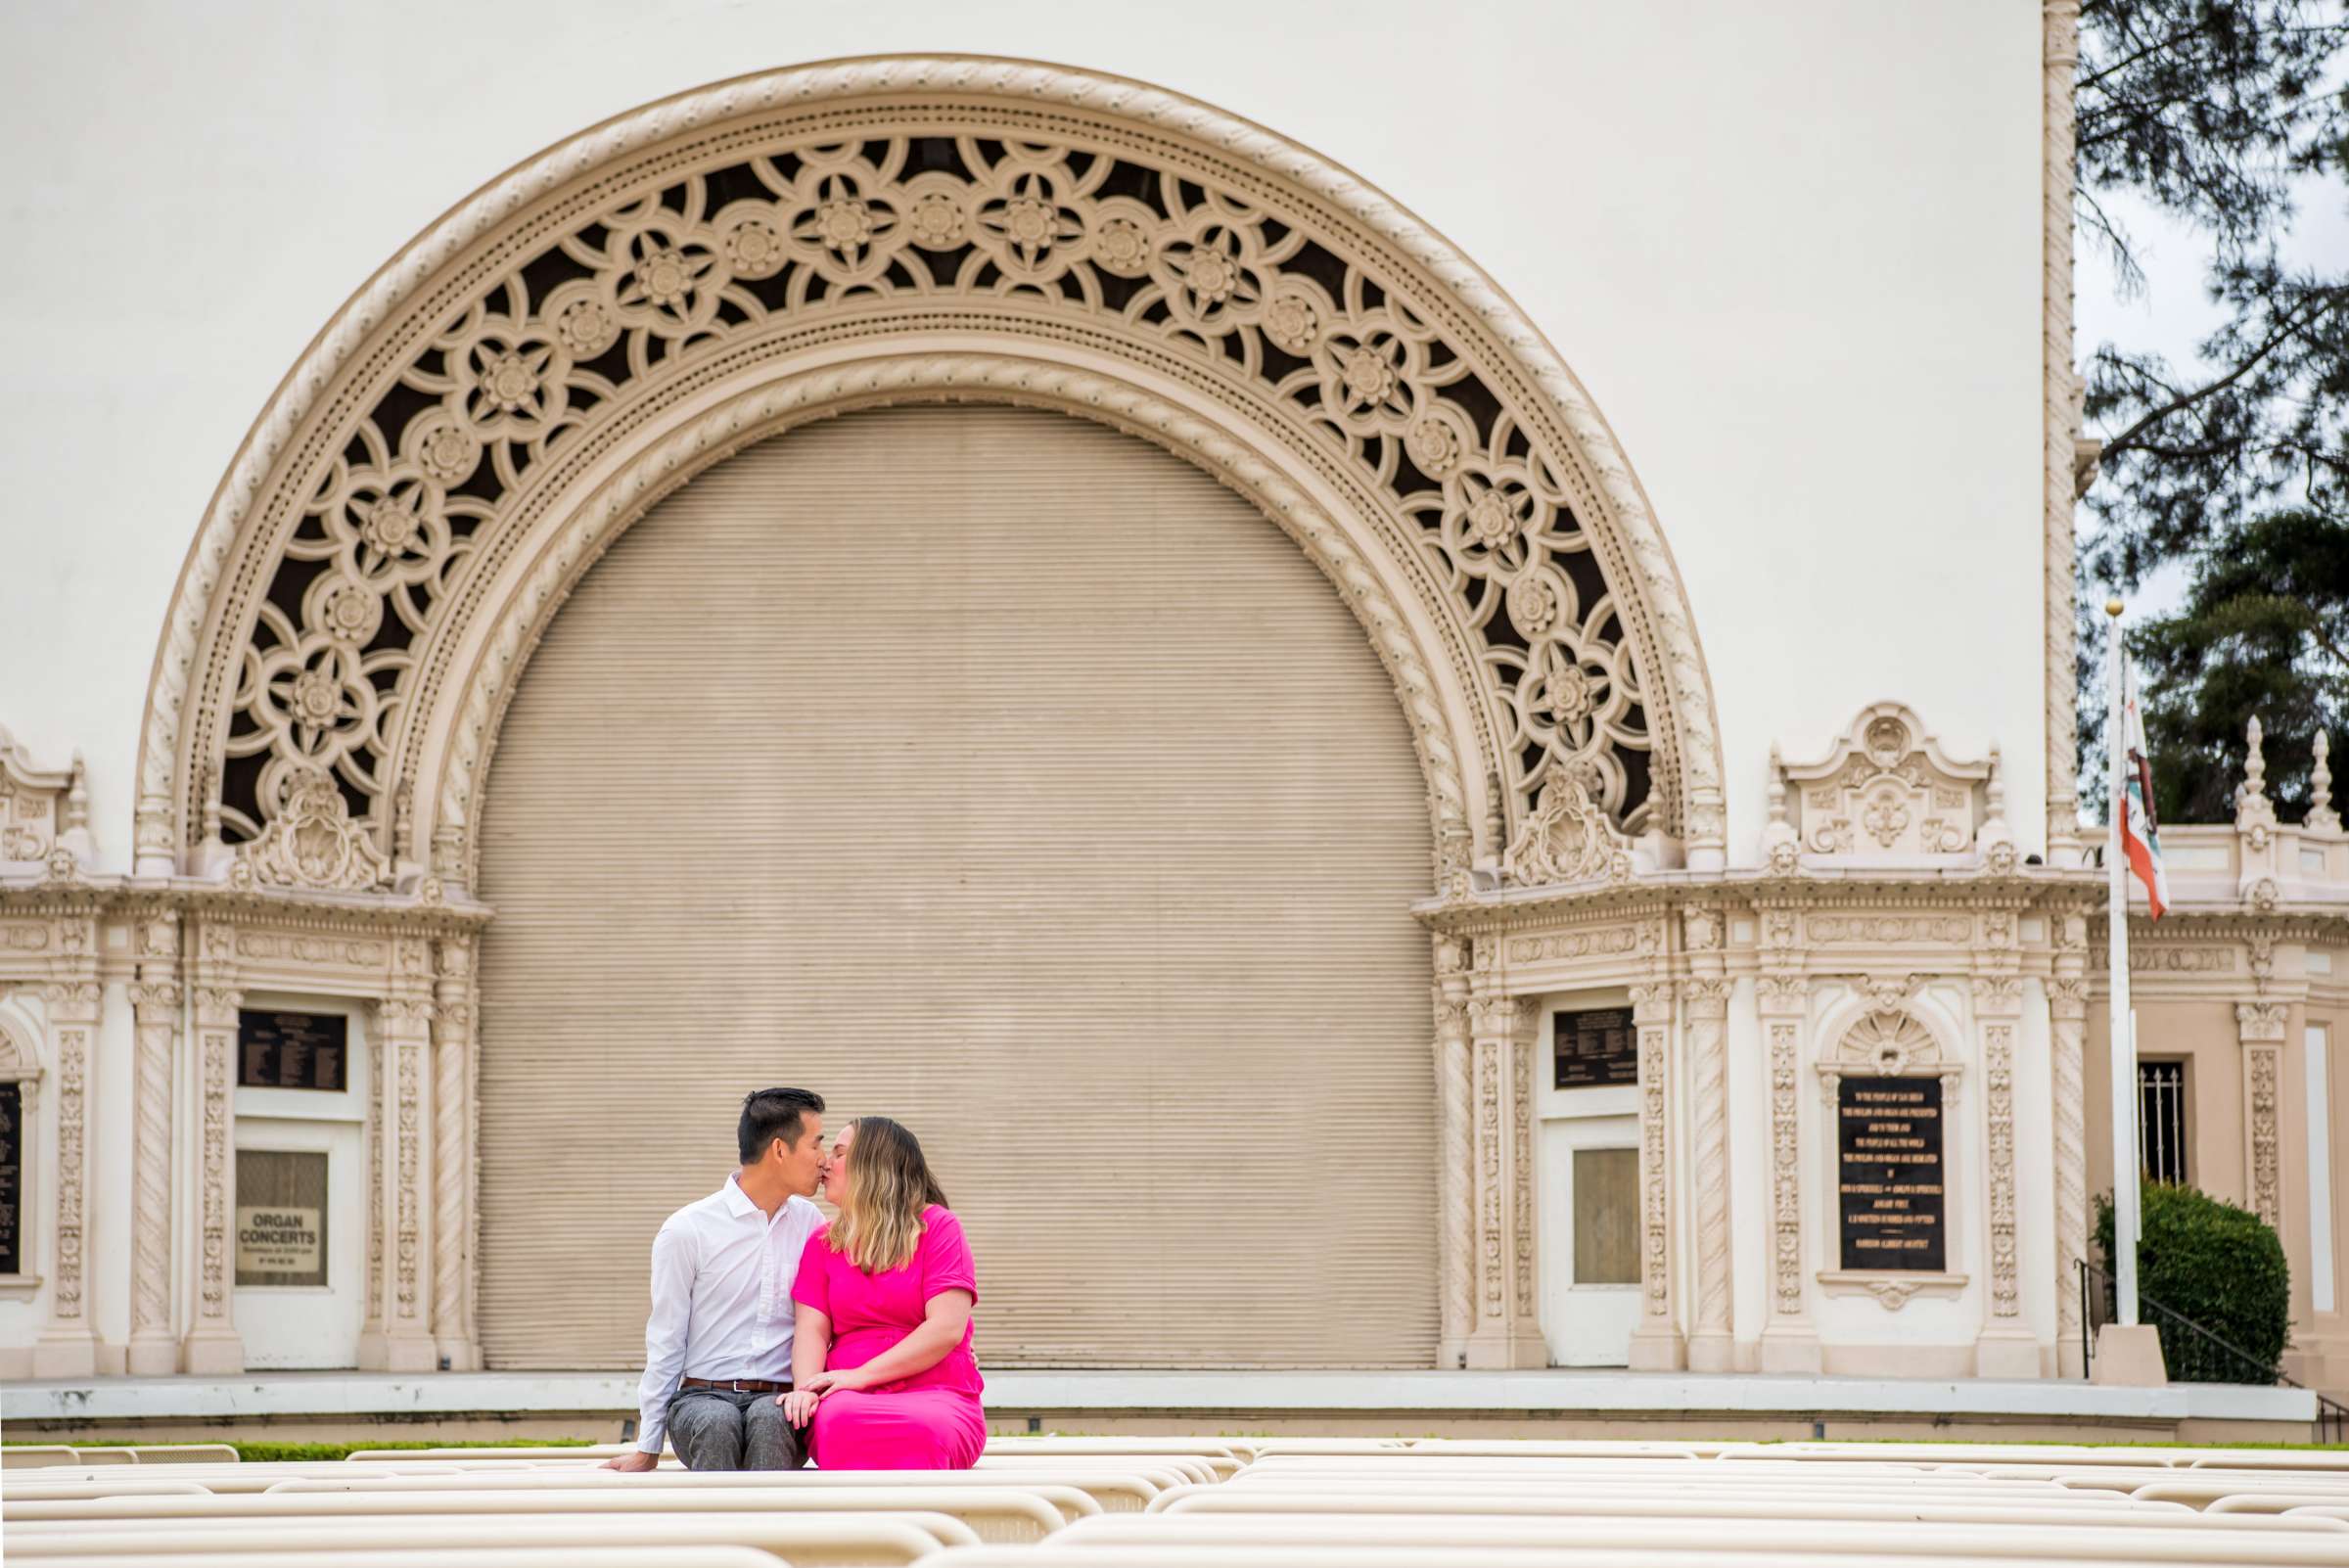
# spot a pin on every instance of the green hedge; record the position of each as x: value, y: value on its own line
x: 2213, y: 1264
x: 280, y: 1452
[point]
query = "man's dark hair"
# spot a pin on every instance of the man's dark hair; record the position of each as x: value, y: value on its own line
x: 769, y: 1114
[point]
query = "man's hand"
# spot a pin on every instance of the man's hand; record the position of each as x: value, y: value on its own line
x: 636, y: 1460
x: 798, y: 1405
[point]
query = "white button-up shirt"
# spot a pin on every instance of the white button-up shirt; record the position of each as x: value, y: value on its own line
x: 721, y: 1298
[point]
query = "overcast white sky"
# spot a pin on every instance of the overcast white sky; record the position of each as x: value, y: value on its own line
x: 2173, y: 312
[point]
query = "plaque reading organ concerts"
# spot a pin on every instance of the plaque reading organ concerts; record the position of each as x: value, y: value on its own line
x: 1595, y: 1049
x: 12, y: 1178
x: 1889, y: 1173
x: 281, y: 1218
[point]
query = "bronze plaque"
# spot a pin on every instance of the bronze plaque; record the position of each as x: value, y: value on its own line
x: 1594, y: 1050
x: 1890, y: 1191
x: 281, y: 1218
x: 292, y: 1050
x: 12, y: 1178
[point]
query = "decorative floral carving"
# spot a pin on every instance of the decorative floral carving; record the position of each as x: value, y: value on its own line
x: 1567, y: 838
x: 1888, y: 929
x: 1998, y: 1080
x: 1785, y: 1174
x: 1887, y: 784
x: 546, y: 351
x: 315, y: 842
x: 1605, y: 942
x: 2266, y: 1200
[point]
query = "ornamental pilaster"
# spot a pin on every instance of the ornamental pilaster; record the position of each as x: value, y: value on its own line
x: 212, y: 1346
x: 1455, y: 1195
x: 68, y: 1345
x: 2260, y: 1026
x: 1789, y: 1338
x: 401, y: 1164
x: 1507, y: 1331
x: 1706, y: 1003
x: 2006, y: 1346
x: 156, y: 998
x: 2067, y: 1024
x: 452, y: 1025
x: 1656, y: 1342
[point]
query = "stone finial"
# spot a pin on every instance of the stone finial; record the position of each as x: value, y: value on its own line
x: 1999, y: 853
x: 2322, y: 817
x: 1782, y: 846
x: 2253, y: 810
x: 74, y: 817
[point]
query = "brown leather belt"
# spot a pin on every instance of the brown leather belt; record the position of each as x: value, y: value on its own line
x: 739, y: 1385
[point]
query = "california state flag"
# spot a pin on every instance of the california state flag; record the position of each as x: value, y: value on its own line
x: 2140, y: 832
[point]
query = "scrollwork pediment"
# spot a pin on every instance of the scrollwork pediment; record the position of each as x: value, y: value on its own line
x: 1887, y: 791
x: 313, y: 843
x: 1568, y: 838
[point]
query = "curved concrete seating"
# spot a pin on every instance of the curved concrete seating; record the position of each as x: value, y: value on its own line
x: 1463, y: 1537
x: 992, y: 1513
x: 483, y: 1557
x: 1684, y: 1506
x: 1074, y: 1495
x: 804, y: 1540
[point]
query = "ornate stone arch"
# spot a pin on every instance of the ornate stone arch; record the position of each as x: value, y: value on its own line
x: 600, y: 323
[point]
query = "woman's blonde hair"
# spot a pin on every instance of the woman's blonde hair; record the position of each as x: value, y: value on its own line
x: 890, y: 1185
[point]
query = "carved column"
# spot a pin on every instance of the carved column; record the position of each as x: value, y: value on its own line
x: 1454, y: 1091
x: 1656, y: 1344
x: 2260, y: 1026
x: 1507, y: 1331
x: 2006, y: 1347
x: 212, y: 1345
x: 68, y: 1345
x: 2063, y: 477
x: 1789, y: 1339
x: 1711, y: 1342
x: 401, y: 1160
x: 453, y: 1335
x: 2067, y: 1016
x: 155, y: 1003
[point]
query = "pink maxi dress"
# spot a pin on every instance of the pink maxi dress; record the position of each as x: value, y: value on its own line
x: 928, y: 1422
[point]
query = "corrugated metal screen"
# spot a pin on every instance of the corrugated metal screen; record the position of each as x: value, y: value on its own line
x: 1001, y: 773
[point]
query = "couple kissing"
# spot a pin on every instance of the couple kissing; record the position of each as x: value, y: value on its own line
x: 776, y: 1339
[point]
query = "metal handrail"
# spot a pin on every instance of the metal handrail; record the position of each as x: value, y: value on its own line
x: 2333, y: 1416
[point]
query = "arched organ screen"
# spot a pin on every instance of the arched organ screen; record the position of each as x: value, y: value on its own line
x: 999, y: 772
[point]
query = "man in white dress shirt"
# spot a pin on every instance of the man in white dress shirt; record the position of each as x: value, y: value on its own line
x: 717, y: 1346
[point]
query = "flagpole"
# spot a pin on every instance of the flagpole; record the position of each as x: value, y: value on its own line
x: 2123, y: 1030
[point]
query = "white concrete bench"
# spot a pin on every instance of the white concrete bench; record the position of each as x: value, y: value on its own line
x: 992, y: 1513
x: 482, y: 1557
x: 1091, y: 1491
x: 804, y: 1540
x: 2216, y: 1544
x: 1656, y: 1505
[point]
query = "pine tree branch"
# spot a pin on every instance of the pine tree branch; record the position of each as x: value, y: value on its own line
x: 2127, y: 439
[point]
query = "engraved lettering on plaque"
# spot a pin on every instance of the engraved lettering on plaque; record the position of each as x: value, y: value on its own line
x: 1889, y: 1189
x: 12, y: 1178
x: 292, y: 1050
x: 1595, y: 1049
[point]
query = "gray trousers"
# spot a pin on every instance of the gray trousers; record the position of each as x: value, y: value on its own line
x: 720, y: 1429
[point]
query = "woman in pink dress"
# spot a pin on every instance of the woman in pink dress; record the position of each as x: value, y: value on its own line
x: 881, y: 1361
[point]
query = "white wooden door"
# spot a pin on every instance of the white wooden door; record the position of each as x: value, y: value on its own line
x: 1589, y: 1207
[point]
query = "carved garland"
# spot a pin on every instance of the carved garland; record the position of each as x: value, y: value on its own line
x: 2260, y: 1026
x: 1786, y: 1173
x: 986, y: 196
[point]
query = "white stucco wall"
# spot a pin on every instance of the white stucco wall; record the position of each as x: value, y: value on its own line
x: 1792, y: 250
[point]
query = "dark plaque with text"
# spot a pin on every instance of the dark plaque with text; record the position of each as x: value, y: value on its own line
x: 1889, y: 1174
x: 292, y: 1050
x: 12, y: 1178
x: 1597, y: 1049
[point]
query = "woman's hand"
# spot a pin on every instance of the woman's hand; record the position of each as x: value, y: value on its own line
x: 798, y: 1405
x: 851, y: 1378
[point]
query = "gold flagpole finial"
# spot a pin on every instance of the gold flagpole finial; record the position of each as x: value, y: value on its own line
x: 2113, y: 607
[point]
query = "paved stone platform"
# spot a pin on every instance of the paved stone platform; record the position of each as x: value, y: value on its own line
x: 328, y: 1406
